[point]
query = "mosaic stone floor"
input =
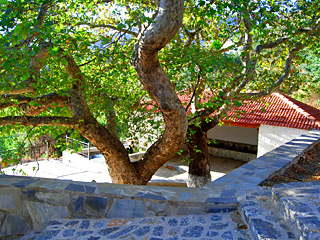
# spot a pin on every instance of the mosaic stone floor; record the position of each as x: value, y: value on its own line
x: 226, y: 226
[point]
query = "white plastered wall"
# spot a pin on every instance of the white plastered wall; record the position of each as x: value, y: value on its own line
x: 271, y: 137
x: 234, y: 134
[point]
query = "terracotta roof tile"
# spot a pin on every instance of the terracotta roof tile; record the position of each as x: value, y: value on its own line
x: 280, y: 110
x: 275, y: 110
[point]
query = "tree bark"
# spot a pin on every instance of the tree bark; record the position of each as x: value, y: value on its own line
x: 154, y: 79
x: 199, y: 166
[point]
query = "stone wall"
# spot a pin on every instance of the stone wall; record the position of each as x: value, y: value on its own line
x: 30, y: 203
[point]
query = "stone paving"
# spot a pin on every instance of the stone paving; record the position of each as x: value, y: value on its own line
x: 78, y: 168
x: 226, y: 226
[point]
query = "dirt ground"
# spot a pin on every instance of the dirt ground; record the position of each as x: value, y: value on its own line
x: 305, y: 170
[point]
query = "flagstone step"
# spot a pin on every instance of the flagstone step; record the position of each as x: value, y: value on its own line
x: 226, y: 226
x: 263, y: 218
x: 300, y: 205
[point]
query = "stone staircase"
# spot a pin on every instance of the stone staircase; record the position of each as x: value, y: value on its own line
x: 263, y: 218
x: 287, y: 211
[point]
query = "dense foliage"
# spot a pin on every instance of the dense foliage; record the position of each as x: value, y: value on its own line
x: 94, y: 67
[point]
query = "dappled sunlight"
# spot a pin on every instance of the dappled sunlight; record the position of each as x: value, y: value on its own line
x: 174, y: 172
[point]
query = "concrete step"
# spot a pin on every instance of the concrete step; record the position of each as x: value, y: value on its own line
x: 263, y: 218
x: 226, y: 226
x: 299, y: 204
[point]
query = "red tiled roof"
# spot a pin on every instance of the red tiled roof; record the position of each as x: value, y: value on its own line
x: 275, y: 110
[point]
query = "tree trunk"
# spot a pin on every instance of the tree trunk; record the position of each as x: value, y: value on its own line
x: 154, y: 79
x: 199, y: 166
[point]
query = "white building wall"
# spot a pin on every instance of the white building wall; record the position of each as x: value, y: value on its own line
x: 234, y: 134
x: 271, y: 137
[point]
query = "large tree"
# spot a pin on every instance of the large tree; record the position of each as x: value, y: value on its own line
x: 49, y: 55
x: 236, y: 51
x: 90, y: 66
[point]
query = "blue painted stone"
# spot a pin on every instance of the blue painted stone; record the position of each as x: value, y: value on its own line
x: 173, y: 238
x: 156, y: 238
x: 184, y: 222
x: 271, y: 218
x: 97, y: 203
x: 318, y: 209
x: 194, y: 231
x: 291, y: 235
x: 309, y: 220
x: 29, y: 193
x: 150, y: 195
x: 85, y: 224
x: 314, y: 183
x: 298, y: 206
x: 266, y: 229
x: 249, y: 173
x: 48, y: 234
x: 185, y: 195
x: 129, y: 208
x: 93, y: 238
x: 284, y: 226
x: 100, y: 223
x: 249, y: 166
x: 158, y: 231
x: 84, y: 233
x: 75, y: 188
x: 248, y: 204
x: 123, y: 232
x: 221, y: 209
x: 54, y: 222
x: 228, y: 193
x: 149, y: 221
x: 72, y: 223
x: 142, y: 231
x: 222, y: 200
x: 80, y: 216
x: 218, y: 226
x: 314, y: 191
x: 173, y: 222
x: 212, y: 234
x: 227, y: 236
x: 173, y: 231
x: 89, y: 189
x: 24, y: 183
x: 107, y: 231
x: 253, y: 212
x: 201, y: 220
x: 78, y: 204
x: 216, y: 218
x: 68, y: 233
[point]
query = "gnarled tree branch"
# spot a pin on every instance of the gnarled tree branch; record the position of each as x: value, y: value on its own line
x: 145, y: 60
x: 39, y: 121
